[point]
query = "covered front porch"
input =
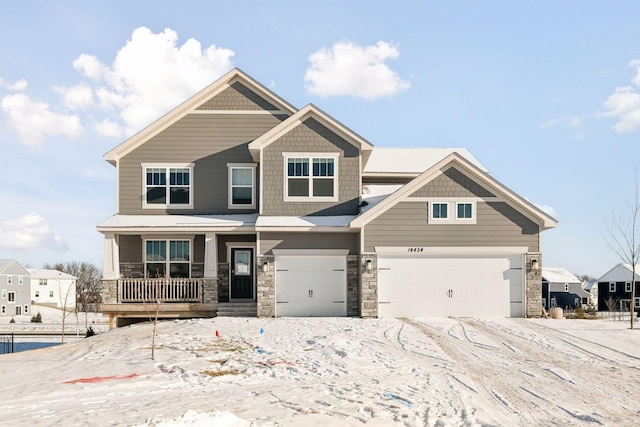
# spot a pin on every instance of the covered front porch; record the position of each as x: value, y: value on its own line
x: 180, y: 272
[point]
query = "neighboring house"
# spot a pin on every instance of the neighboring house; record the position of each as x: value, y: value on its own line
x: 15, y: 285
x: 236, y: 200
x: 614, y: 288
x: 54, y: 288
x: 562, y: 289
x: 591, y: 286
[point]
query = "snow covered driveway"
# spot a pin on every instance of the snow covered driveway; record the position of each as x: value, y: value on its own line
x: 333, y: 371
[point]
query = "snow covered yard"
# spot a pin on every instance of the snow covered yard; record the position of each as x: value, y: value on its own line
x: 333, y: 371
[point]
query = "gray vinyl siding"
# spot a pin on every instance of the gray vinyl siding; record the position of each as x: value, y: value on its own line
x: 498, y: 225
x: 208, y: 141
x: 233, y: 238
x: 311, y: 137
x: 270, y: 241
x: 452, y: 183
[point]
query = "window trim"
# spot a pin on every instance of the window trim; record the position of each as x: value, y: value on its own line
x: 37, y: 294
x: 4, y: 294
x: 167, y: 167
x: 20, y: 280
x: 472, y: 218
x: 167, y: 261
x: 627, y: 286
x: 11, y: 296
x: 51, y: 295
x: 311, y: 157
x: 9, y: 280
x: 452, y: 211
x: 231, y: 167
x: 612, y: 286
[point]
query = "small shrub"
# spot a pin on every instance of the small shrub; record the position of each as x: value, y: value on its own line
x: 12, y: 320
x: 579, y: 312
x: 90, y: 332
x: 37, y: 318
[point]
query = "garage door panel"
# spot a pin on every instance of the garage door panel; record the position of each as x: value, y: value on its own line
x: 449, y: 286
x: 311, y: 285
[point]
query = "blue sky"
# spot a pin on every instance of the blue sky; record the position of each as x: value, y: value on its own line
x: 545, y: 94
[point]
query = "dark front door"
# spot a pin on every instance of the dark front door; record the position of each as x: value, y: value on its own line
x: 241, y: 273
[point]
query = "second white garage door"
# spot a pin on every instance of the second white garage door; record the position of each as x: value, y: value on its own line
x: 311, y: 286
x: 464, y: 286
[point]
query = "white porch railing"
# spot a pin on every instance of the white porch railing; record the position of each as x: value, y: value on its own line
x: 160, y: 290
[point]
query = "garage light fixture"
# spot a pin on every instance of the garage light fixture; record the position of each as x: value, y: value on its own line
x: 265, y: 267
x: 369, y: 266
x: 534, y: 264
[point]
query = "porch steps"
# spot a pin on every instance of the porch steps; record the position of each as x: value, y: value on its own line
x: 237, y: 309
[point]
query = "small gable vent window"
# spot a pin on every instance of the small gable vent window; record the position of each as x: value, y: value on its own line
x: 311, y: 177
x: 167, y: 186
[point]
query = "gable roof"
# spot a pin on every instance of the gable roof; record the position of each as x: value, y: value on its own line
x: 390, y: 161
x: 47, y: 273
x: 622, y: 272
x: 190, y: 105
x: 558, y: 275
x: 468, y: 168
x: 7, y: 264
x: 309, y: 111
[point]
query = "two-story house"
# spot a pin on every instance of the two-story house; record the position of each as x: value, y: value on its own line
x: 15, y: 286
x: 53, y: 288
x: 236, y: 198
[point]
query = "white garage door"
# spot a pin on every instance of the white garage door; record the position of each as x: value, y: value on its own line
x: 489, y: 286
x: 311, y: 285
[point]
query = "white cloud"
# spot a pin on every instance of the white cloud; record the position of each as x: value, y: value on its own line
x: 152, y: 74
x: 349, y: 69
x: 29, y: 232
x: 108, y: 128
x: 78, y: 97
x: 33, y: 120
x: 624, y: 104
x: 18, y: 86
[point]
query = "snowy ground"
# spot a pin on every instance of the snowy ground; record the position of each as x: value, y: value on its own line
x: 333, y: 371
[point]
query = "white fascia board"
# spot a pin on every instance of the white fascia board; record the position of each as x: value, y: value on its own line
x: 298, y: 118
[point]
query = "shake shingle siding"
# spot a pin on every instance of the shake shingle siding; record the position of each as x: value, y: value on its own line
x: 311, y: 137
x: 406, y: 224
x: 237, y: 97
x: 452, y: 183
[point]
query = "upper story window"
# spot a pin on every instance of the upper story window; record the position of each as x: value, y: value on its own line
x: 242, y: 186
x: 439, y: 210
x: 311, y: 177
x: 168, y: 186
x: 176, y: 264
x: 612, y: 286
x: 12, y: 296
x: 9, y: 280
x: 20, y: 280
x: 42, y: 282
x: 464, y: 210
x: 452, y: 212
x: 627, y: 286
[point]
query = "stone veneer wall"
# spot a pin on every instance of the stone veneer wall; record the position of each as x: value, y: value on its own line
x: 353, y: 308
x: 109, y: 291
x: 533, y: 287
x: 223, y: 282
x: 266, y: 288
x: 369, y: 286
x: 210, y: 291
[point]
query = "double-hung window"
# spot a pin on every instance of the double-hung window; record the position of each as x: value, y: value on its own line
x: 311, y: 177
x: 12, y: 296
x: 168, y: 186
x: 242, y: 186
x: 627, y: 286
x: 612, y: 286
x: 167, y: 258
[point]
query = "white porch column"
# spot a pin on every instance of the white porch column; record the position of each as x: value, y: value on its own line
x: 210, y: 255
x: 111, y: 261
